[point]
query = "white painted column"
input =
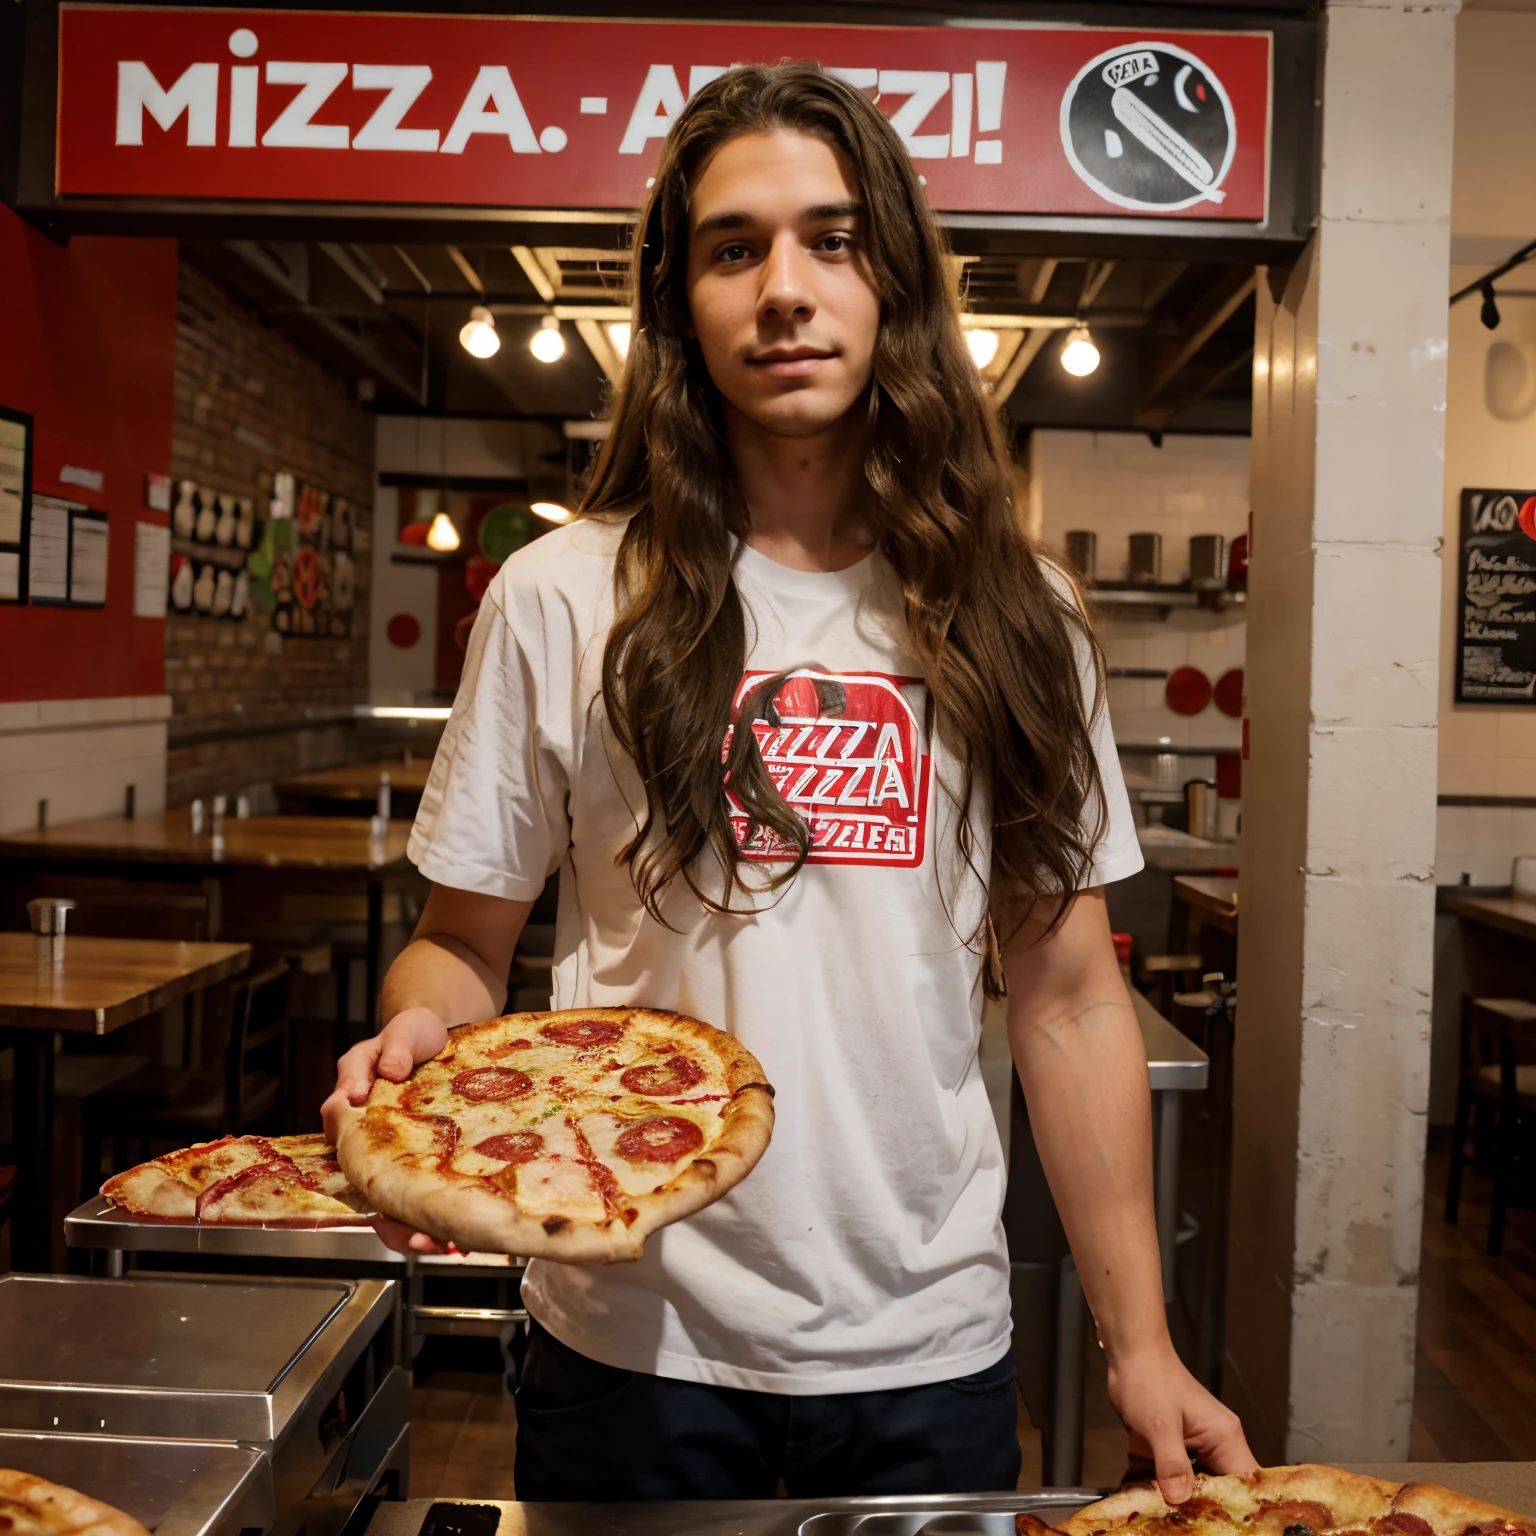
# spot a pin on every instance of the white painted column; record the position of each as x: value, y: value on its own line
x: 1337, y: 888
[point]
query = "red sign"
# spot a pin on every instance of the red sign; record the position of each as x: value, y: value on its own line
x: 504, y: 112
x: 845, y: 753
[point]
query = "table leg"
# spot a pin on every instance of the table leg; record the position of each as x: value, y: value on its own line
x: 1066, y: 1468
x: 375, y: 954
x: 1166, y: 1111
x: 32, y: 1112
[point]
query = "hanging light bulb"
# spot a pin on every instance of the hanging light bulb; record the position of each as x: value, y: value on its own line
x: 442, y: 535
x: 552, y: 512
x: 478, y: 336
x: 547, y: 344
x: 982, y: 344
x: 1079, y: 356
x: 1489, y: 312
x: 618, y: 337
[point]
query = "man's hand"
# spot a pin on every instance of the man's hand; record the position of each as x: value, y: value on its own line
x: 414, y: 1036
x: 1169, y: 1414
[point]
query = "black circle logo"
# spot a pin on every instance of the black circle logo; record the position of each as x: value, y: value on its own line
x: 1149, y: 126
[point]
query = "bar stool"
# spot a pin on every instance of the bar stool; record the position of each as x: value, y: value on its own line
x: 1498, y: 1084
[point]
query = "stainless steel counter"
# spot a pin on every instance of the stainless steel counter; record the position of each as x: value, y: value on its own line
x: 174, y: 1487
x: 940, y: 1515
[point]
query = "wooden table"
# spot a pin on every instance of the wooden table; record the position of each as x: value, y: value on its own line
x: 336, y: 853
x: 79, y: 985
x: 1496, y: 937
x: 354, y: 790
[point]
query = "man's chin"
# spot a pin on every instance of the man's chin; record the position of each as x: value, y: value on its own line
x: 799, y: 415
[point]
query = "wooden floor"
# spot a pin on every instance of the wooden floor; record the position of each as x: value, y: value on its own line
x: 1474, y: 1394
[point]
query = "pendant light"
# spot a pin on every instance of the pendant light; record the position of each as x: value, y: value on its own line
x: 478, y: 336
x: 442, y: 535
x: 547, y: 344
x: 1079, y: 356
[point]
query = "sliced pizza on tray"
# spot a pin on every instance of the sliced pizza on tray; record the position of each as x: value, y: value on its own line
x: 242, y: 1181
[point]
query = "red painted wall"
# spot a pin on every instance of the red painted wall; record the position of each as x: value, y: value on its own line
x: 89, y: 343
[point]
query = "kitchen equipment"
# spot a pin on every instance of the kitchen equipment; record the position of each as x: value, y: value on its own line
x: 303, y: 1372
x: 953, y: 1514
x: 1083, y: 552
x: 1146, y: 557
x: 174, y: 1487
x: 1200, y: 805
x: 1207, y: 562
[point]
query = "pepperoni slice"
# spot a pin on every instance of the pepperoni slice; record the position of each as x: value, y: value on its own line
x: 663, y: 1139
x: 515, y: 1147
x: 583, y: 1032
x: 485, y: 1083
x: 672, y: 1076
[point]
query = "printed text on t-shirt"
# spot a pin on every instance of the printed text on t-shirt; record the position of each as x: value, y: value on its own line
x: 845, y: 750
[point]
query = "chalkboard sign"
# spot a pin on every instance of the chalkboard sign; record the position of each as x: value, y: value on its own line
x: 1496, y: 626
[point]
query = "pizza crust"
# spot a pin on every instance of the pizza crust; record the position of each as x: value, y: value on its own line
x: 1451, y: 1514
x: 52, y: 1508
x: 381, y: 1148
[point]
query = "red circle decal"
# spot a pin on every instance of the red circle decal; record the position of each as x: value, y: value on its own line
x: 1229, y: 693
x: 403, y: 630
x: 1188, y: 690
x: 1528, y: 517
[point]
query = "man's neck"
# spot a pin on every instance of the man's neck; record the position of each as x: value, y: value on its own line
x: 804, y: 495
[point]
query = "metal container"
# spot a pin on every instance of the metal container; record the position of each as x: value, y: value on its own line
x: 173, y: 1487
x: 1146, y: 557
x: 1083, y: 552
x: 304, y: 1373
x: 1207, y: 562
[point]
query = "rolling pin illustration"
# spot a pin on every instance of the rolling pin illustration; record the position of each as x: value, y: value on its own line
x: 1173, y: 149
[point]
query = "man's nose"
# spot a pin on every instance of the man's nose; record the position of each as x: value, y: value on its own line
x: 786, y: 291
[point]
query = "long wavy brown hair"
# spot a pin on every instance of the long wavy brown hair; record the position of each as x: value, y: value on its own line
x: 995, y: 635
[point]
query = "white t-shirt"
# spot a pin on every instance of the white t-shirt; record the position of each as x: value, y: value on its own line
x: 866, y: 1250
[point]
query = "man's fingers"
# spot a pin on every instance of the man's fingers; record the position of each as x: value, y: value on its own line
x: 395, y: 1061
x: 1223, y: 1447
x: 1175, y: 1476
x: 355, y: 1071
x: 404, y: 1239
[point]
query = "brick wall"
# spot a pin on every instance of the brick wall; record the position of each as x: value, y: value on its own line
x: 251, y: 705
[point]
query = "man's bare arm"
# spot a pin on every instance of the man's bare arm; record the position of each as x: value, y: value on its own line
x: 1079, y: 1055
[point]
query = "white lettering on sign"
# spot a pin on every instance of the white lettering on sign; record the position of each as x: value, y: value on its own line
x: 404, y: 82
x: 492, y: 106
x: 195, y: 92
x: 656, y: 109
x: 1497, y: 514
x: 293, y: 128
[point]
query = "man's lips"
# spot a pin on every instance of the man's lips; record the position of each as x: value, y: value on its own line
x: 790, y: 362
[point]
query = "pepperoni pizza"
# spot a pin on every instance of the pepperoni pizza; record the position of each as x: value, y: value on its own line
x: 568, y: 1135
x: 1290, y: 1501
x: 271, y: 1181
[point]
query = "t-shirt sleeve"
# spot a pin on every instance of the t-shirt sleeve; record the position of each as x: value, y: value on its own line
x: 495, y: 815
x: 1118, y: 853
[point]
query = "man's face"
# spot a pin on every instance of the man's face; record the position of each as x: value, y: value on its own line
x: 781, y: 296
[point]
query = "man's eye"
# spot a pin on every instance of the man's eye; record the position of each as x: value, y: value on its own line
x: 732, y: 253
x: 836, y: 245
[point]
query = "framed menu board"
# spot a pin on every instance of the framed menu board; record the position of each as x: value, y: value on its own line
x: 15, y: 503
x: 1496, y: 593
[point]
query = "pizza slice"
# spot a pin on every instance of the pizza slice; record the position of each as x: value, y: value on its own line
x: 244, y: 1180
x: 29, y: 1506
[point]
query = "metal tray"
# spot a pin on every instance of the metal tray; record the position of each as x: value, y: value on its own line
x: 942, y: 1515
x: 174, y: 1487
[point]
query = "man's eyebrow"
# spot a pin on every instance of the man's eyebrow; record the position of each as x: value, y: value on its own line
x: 736, y: 219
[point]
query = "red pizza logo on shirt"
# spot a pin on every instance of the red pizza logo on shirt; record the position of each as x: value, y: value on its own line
x: 845, y: 751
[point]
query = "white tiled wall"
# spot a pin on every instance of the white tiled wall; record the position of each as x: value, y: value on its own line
x: 1117, y: 484
x: 1482, y: 842
x: 80, y: 755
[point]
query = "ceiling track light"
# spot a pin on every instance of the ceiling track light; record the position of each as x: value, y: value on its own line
x: 1489, y: 313
x: 546, y: 343
x: 478, y: 337
x: 1079, y: 356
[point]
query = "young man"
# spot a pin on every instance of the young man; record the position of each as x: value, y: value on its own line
x: 812, y: 739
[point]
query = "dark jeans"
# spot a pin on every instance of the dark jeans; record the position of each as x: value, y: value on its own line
x: 589, y: 1431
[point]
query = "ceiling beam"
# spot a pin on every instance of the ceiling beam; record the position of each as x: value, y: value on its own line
x: 1225, y: 297
x: 1195, y: 383
x: 1094, y: 278
x: 598, y: 344
x: 1018, y: 366
x: 533, y: 270
x: 1162, y: 283
x: 461, y: 261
